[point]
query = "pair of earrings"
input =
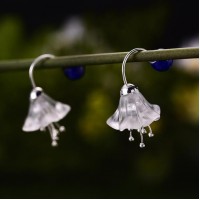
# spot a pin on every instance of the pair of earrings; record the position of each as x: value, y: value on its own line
x: 133, y: 113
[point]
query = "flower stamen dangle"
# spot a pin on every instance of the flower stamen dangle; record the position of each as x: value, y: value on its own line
x: 131, y: 138
x: 44, y: 112
x: 134, y: 111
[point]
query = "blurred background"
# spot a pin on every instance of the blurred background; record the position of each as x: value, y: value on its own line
x: 92, y: 159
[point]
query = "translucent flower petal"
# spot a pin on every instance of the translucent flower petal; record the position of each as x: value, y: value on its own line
x: 113, y: 121
x: 134, y: 111
x: 43, y: 111
x: 128, y: 113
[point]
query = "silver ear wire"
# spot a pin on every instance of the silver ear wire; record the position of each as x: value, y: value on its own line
x: 133, y: 51
x: 34, y: 63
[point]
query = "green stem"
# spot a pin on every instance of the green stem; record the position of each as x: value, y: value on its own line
x: 104, y: 58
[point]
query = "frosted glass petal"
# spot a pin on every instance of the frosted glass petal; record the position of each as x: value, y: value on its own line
x: 129, y: 118
x: 130, y: 123
x: 113, y: 121
x: 147, y: 112
x: 43, y: 111
x: 134, y: 111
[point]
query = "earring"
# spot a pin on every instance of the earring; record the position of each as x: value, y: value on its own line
x: 134, y: 111
x: 44, y: 112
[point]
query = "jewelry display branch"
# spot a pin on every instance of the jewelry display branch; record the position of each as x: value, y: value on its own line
x: 103, y: 58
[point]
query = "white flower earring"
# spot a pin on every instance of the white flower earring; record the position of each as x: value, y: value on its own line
x: 44, y: 112
x: 134, y: 111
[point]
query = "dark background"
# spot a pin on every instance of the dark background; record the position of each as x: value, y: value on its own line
x: 182, y: 16
x: 93, y: 160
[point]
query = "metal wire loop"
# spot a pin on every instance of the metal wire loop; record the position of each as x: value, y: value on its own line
x: 36, y: 61
x: 133, y: 51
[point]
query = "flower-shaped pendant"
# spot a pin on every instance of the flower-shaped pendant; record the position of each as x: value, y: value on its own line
x: 134, y: 112
x: 44, y: 112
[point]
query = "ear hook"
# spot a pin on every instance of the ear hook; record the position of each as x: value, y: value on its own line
x: 36, y: 61
x: 133, y: 51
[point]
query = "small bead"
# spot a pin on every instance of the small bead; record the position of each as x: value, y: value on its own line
x: 142, y: 145
x: 74, y: 73
x: 61, y: 128
x: 161, y: 65
x: 150, y: 134
x: 131, y: 138
x: 54, y: 143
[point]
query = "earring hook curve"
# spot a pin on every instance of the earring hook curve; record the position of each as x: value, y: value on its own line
x: 133, y: 51
x: 34, y: 63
